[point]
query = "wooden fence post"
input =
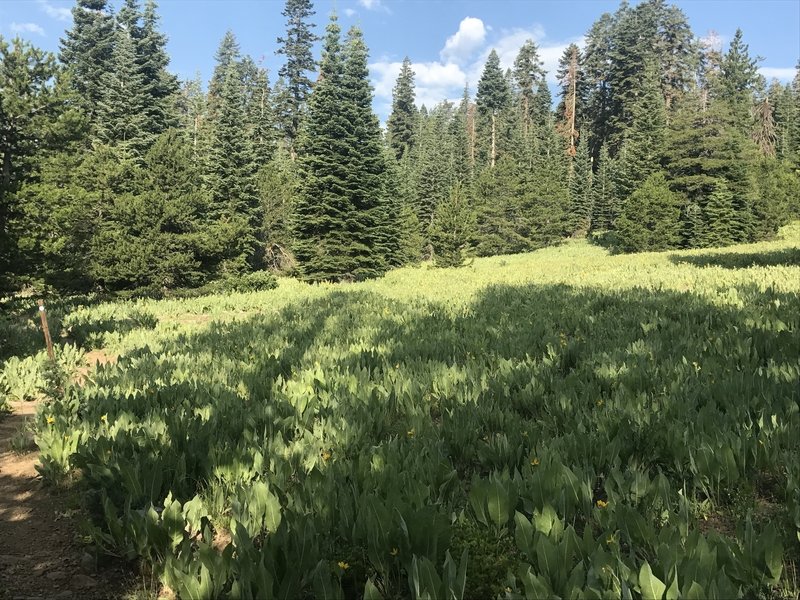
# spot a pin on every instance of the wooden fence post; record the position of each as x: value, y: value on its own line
x: 47, y: 339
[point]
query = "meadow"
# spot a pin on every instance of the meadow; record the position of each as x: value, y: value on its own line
x: 564, y: 423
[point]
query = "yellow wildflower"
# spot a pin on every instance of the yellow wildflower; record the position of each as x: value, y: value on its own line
x: 393, y: 551
x: 602, y: 504
x: 410, y: 433
x: 535, y: 462
x: 343, y: 565
x: 600, y: 402
x: 104, y: 418
x: 326, y: 455
x: 51, y: 420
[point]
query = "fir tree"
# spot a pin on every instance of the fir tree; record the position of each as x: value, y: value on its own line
x: 297, y: 48
x: 452, y: 229
x: 574, y: 90
x: 650, y: 220
x: 493, y: 100
x: 160, y: 86
x: 603, y: 194
x: 719, y: 217
x: 527, y: 74
x: 232, y: 170
x: 259, y: 110
x: 580, y: 191
x: 87, y: 50
x: 372, y: 222
x: 738, y: 80
x: 323, y: 206
x: 402, y: 123
x: 643, y: 148
x: 121, y: 116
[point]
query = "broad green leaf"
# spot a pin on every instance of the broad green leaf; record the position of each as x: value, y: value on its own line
x: 651, y: 587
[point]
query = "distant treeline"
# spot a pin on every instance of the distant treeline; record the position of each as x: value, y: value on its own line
x: 117, y: 176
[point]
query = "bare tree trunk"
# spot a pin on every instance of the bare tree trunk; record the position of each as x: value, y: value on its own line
x: 494, y: 139
x: 471, y: 134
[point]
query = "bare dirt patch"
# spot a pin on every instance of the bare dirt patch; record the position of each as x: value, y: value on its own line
x: 40, y: 556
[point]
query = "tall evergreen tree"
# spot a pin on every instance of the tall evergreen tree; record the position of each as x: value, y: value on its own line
x: 573, y: 91
x: 342, y: 221
x: 580, y: 191
x: 323, y: 206
x: 527, y: 74
x: 232, y: 176
x: 738, y: 80
x: 121, y: 116
x: 87, y: 50
x: 644, y: 141
x: 371, y: 226
x: 650, y: 220
x: 493, y: 101
x: 603, y: 195
x: 297, y: 48
x: 452, y: 229
x: 402, y: 123
x: 160, y: 86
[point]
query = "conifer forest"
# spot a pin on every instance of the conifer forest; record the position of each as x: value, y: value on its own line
x: 516, y: 345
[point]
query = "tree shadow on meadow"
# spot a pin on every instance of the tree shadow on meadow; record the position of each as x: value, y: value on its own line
x: 600, y: 380
x: 788, y: 257
x: 531, y: 354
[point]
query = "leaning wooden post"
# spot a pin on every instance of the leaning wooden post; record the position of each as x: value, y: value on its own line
x: 46, y: 329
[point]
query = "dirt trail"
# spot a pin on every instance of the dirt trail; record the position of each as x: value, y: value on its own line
x: 39, y: 554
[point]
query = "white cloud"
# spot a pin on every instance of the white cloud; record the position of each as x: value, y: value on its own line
x: 444, y: 79
x: 784, y: 74
x: 62, y: 13
x: 434, y: 81
x: 463, y: 43
x: 27, y: 28
x: 350, y: 12
x: 374, y: 5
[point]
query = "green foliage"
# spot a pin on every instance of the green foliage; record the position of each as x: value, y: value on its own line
x: 296, y: 46
x: 452, y: 229
x: 402, y: 123
x: 650, y: 219
x: 343, y: 222
x: 502, y: 409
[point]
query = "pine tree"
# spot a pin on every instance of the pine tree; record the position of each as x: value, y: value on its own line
x: 452, y: 229
x: 120, y: 111
x: 596, y: 63
x: 703, y: 147
x: 527, y: 74
x: 719, y: 217
x: 650, y: 220
x: 278, y: 183
x: 433, y: 178
x: 493, y: 100
x: 160, y: 86
x: 371, y: 226
x: 765, y: 133
x: 738, y: 80
x: 644, y: 142
x: 603, y: 194
x: 402, y: 123
x: 573, y: 91
x: 87, y: 50
x: 343, y: 221
x: 297, y: 48
x: 33, y: 104
x: 232, y: 170
x: 259, y: 110
x: 580, y: 191
x: 323, y: 206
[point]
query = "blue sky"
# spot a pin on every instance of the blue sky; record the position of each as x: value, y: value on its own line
x: 447, y: 40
